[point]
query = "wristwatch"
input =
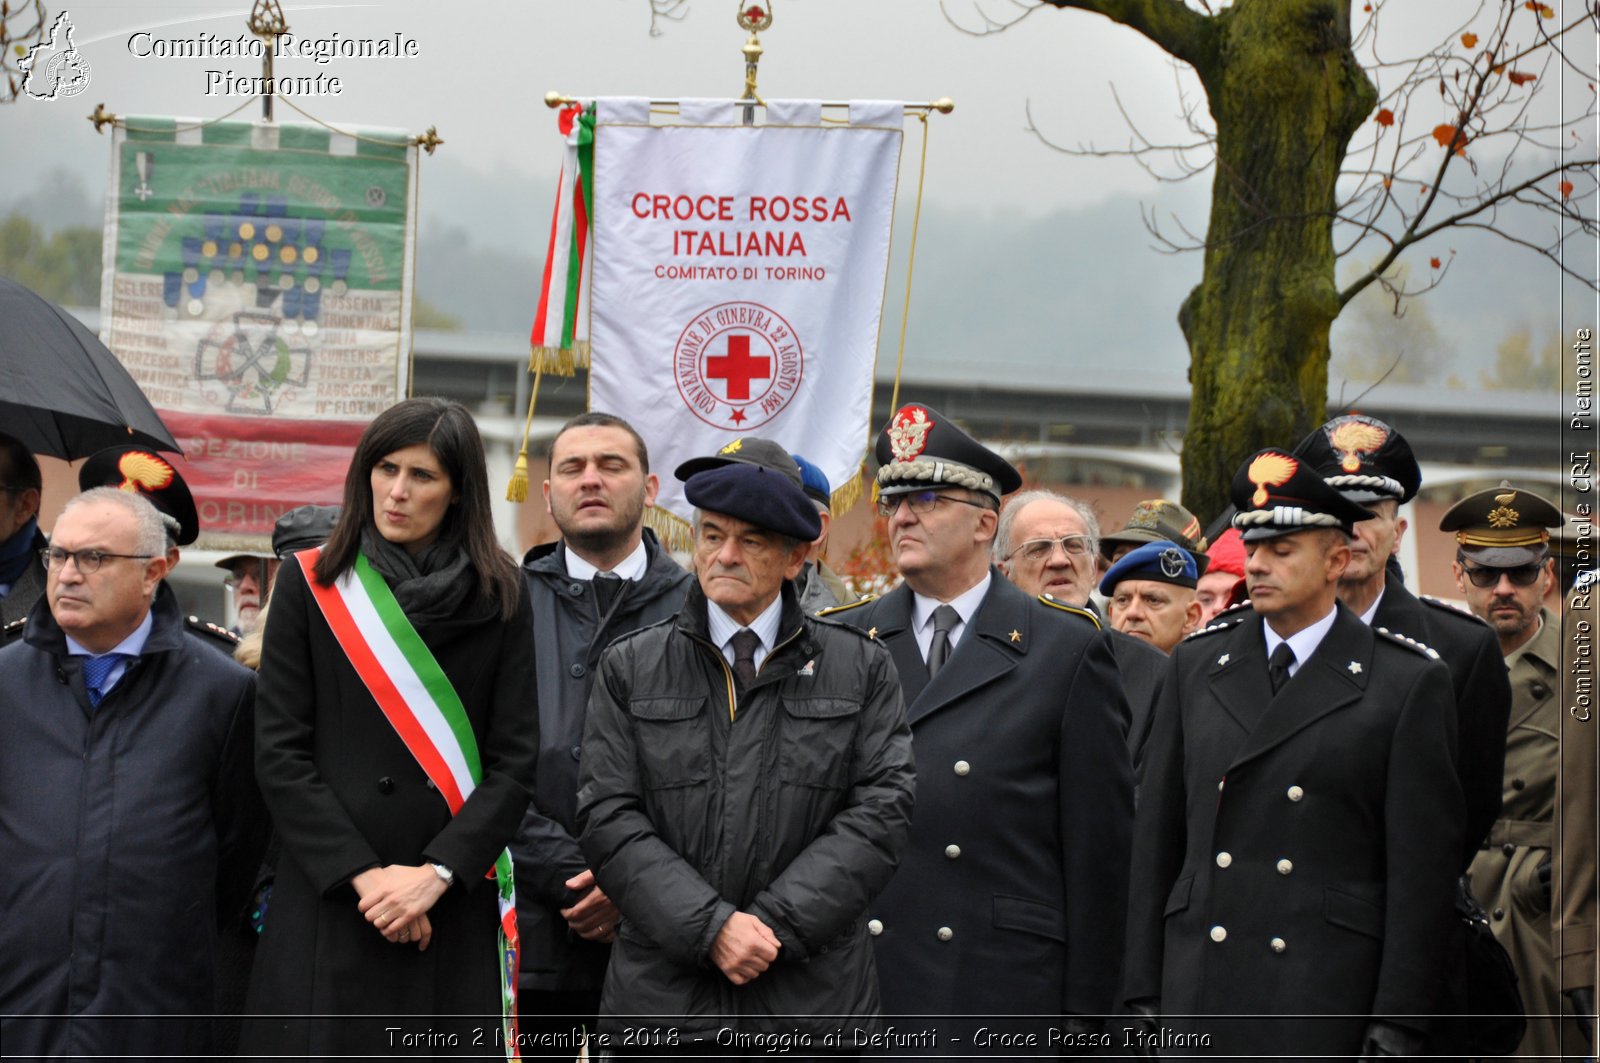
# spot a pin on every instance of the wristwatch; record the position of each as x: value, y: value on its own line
x: 446, y: 876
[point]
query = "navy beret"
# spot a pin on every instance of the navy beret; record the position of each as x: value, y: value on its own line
x: 1163, y: 562
x: 758, y: 495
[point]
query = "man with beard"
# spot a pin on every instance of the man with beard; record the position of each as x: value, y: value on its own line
x: 1503, y: 569
x: 250, y: 579
x: 606, y: 577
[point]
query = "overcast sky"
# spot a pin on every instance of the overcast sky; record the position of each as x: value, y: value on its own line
x: 483, y: 68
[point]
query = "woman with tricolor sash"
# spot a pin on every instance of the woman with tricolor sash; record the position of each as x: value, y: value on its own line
x: 396, y: 738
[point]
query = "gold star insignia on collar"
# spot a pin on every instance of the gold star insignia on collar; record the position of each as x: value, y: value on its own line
x: 1355, y: 667
x: 1016, y: 636
x: 872, y: 633
x: 1225, y: 658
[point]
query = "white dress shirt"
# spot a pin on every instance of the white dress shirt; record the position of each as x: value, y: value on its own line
x: 965, y: 604
x: 1303, y: 642
x: 724, y: 627
x: 631, y: 567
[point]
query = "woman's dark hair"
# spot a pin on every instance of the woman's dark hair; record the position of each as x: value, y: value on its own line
x: 448, y: 429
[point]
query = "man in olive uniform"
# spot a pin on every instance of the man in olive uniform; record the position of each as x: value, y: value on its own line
x: 1503, y: 570
x: 1009, y: 899
x: 1300, y: 824
x: 1372, y: 465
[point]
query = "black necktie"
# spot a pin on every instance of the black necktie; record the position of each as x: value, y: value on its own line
x: 1278, y: 666
x: 745, y: 643
x: 944, y: 618
x: 607, y: 585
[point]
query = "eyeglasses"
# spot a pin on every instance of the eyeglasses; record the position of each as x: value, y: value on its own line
x: 1484, y: 577
x: 1076, y: 547
x: 921, y: 502
x: 88, y: 560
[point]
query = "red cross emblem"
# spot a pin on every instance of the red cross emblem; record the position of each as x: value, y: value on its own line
x: 738, y: 367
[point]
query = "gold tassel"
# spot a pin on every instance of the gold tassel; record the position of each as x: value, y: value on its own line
x: 517, y: 489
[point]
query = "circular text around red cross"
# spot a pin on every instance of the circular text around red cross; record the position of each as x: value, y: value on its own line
x: 737, y: 365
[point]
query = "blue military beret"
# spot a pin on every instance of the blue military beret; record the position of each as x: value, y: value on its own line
x: 815, y: 482
x: 756, y: 494
x: 1163, y: 562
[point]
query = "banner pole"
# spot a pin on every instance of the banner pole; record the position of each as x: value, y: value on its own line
x: 267, y: 22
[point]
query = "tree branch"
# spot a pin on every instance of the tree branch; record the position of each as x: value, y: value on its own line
x: 1177, y: 30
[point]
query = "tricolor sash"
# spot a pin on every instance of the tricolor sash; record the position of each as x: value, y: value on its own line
x: 422, y: 705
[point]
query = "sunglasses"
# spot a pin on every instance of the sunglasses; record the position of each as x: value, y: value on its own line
x: 1484, y: 577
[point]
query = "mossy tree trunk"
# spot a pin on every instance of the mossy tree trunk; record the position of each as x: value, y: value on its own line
x: 1286, y: 94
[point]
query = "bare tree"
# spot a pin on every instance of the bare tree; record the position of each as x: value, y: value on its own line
x: 1313, y: 135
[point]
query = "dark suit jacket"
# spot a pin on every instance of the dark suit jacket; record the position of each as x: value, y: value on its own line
x: 1008, y: 898
x: 1482, y: 696
x: 1295, y: 853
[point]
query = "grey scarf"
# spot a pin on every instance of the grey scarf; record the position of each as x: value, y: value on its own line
x: 430, y: 586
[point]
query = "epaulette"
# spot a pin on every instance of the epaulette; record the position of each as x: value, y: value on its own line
x: 1223, y: 621
x: 1406, y: 640
x: 1449, y: 607
x: 1087, y: 614
x: 847, y: 605
x: 215, y: 631
x: 13, y: 629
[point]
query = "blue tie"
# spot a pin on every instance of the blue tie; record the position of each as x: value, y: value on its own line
x: 95, y: 672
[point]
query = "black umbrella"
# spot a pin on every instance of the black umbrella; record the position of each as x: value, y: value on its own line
x: 62, y: 391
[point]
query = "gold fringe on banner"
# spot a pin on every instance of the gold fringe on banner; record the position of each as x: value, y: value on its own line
x: 849, y: 492
x: 559, y: 361
x: 517, y: 489
x: 675, y: 533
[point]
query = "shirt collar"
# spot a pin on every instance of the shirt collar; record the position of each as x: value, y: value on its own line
x: 1372, y: 610
x: 965, y: 604
x: 133, y: 645
x: 1303, y: 642
x: 631, y: 567
x: 723, y: 627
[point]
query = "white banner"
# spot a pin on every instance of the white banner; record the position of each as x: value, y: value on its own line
x: 737, y: 286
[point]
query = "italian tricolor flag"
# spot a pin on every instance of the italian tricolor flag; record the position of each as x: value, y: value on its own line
x: 560, y: 340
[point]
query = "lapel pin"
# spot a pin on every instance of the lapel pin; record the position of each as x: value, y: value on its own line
x: 1016, y: 636
x: 1225, y: 658
x: 872, y: 633
x: 1355, y: 667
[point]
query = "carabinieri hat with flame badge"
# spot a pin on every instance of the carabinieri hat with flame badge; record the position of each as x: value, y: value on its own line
x: 1274, y: 494
x: 921, y: 448
x: 143, y: 472
x: 1364, y: 458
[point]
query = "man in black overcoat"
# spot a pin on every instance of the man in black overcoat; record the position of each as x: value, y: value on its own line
x: 1010, y: 898
x: 606, y: 576
x: 130, y: 822
x: 1300, y: 827
x: 1372, y: 465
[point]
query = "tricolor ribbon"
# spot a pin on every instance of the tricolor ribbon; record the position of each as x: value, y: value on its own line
x: 422, y: 705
